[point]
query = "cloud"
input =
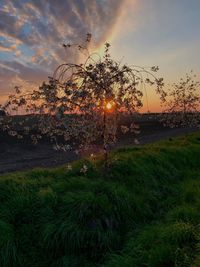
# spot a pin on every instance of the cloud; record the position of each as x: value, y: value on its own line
x: 6, y: 67
x: 32, y: 32
x: 50, y: 24
x: 4, y: 48
x: 14, y: 73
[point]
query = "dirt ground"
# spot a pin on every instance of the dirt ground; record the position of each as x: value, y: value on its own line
x: 17, y: 155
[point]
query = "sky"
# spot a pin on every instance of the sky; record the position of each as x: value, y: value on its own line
x: 164, y: 33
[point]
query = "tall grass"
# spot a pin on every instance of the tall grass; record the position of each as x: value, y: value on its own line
x: 144, y: 212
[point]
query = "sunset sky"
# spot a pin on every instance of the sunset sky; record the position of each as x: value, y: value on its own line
x: 142, y: 32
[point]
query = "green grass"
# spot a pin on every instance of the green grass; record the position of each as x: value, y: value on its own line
x: 143, y: 211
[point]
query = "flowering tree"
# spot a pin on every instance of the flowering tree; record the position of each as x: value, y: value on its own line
x: 182, y: 103
x: 81, y: 104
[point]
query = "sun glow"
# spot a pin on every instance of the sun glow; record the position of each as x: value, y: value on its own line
x: 109, y: 105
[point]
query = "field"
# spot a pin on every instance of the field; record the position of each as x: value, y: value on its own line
x: 18, y: 154
x: 144, y: 211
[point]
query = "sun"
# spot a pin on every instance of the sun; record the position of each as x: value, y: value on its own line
x: 109, y: 106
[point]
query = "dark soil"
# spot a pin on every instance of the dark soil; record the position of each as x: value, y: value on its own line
x: 17, y: 155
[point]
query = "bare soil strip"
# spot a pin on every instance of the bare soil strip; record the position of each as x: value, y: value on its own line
x: 16, y: 155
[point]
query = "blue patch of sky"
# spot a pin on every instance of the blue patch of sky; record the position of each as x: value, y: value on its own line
x: 2, y: 39
x: 26, y: 29
x: 26, y: 50
x: 6, y: 56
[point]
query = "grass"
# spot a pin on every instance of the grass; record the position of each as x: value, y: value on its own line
x: 145, y: 211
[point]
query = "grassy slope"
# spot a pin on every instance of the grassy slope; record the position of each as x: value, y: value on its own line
x: 144, y: 212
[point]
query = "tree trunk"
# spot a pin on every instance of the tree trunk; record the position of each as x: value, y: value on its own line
x: 105, y: 147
